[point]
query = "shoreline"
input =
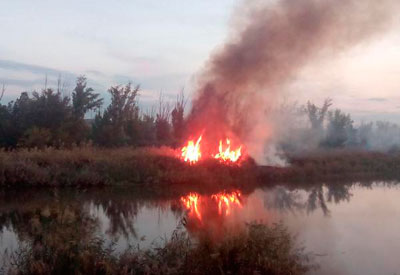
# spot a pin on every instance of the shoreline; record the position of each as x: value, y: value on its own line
x: 157, y: 169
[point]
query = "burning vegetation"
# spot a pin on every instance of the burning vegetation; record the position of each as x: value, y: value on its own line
x: 192, y: 152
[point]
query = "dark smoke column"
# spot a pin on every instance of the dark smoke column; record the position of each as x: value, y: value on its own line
x: 272, y: 41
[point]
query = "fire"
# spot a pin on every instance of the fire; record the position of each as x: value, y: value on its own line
x: 191, y: 202
x: 226, y: 201
x: 228, y: 154
x: 191, y: 152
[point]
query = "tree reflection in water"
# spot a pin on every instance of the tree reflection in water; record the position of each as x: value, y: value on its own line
x: 310, y: 198
x: 45, y: 217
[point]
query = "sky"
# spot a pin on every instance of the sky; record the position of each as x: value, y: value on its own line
x: 163, y: 45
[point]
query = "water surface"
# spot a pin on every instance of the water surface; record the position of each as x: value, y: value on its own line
x: 349, y: 228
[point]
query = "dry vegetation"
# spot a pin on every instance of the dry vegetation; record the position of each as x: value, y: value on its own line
x: 155, y: 168
x: 89, y: 166
x: 345, y: 164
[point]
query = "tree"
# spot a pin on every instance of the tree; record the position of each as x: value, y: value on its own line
x: 114, y: 127
x: 35, y: 137
x: 6, y: 127
x: 84, y: 98
x: 340, y: 129
x: 148, y: 130
x: 317, y: 115
x: 47, y: 111
x: 163, y: 128
x: 7, y: 135
x: 50, y: 109
x: 365, y: 131
x: 20, y: 119
x: 387, y: 136
x: 178, y: 122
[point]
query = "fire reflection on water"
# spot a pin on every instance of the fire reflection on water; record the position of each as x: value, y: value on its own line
x: 191, y: 202
x: 225, y: 202
x: 214, y: 215
x: 209, y: 214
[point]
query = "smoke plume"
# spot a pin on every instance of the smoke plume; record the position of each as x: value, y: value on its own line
x: 269, y: 43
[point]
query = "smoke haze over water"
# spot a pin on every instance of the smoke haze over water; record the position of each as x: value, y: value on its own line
x: 270, y: 42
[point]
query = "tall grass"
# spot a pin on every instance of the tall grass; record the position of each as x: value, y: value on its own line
x: 158, y: 168
x: 344, y: 163
x: 87, y: 166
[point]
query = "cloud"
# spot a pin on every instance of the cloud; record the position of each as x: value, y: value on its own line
x: 95, y: 73
x: 166, y: 83
x: 17, y: 66
x: 377, y: 99
x: 21, y: 76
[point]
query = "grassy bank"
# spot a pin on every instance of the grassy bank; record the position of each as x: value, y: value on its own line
x: 90, y: 166
x: 343, y: 164
x: 150, y: 167
x: 256, y: 250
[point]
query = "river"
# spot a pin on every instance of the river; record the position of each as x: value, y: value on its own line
x: 348, y: 228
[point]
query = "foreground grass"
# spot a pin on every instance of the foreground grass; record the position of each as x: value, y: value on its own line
x: 158, y: 168
x: 258, y: 249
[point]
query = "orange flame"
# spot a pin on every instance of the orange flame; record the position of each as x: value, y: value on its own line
x: 191, y: 152
x: 191, y: 202
x: 225, y: 201
x: 228, y: 154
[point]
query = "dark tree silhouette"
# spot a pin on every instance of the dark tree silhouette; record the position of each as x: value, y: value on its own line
x: 163, y: 128
x: 178, y: 121
x: 114, y: 126
x: 84, y: 99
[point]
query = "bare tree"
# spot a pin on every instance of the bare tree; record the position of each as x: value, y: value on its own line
x: 62, y: 85
x: 149, y: 112
x: 164, y: 109
x: 163, y: 131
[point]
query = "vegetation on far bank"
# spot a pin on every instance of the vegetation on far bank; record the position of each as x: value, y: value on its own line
x: 157, y: 169
x: 50, y: 118
x: 44, y: 136
x: 154, y: 168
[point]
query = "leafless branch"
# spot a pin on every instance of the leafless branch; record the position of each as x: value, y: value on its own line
x: 62, y: 86
x: 164, y: 109
x: 180, y: 101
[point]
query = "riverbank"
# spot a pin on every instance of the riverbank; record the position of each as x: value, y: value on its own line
x: 157, y: 169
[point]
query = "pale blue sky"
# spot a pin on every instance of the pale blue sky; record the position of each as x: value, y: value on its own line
x: 163, y: 44
x: 158, y: 44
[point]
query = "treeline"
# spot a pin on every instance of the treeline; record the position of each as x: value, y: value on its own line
x: 311, y: 127
x: 50, y: 119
